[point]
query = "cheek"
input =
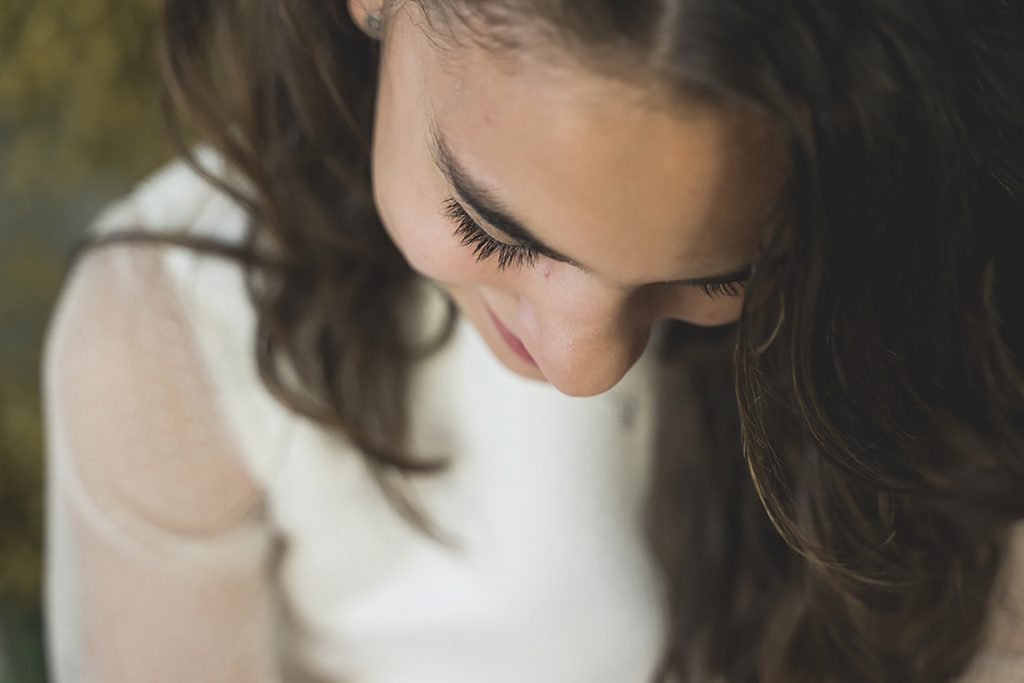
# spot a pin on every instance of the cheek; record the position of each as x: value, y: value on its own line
x: 406, y: 198
x: 410, y: 208
x: 412, y: 215
x: 407, y: 188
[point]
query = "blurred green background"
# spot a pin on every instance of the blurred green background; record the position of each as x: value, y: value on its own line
x: 79, y: 124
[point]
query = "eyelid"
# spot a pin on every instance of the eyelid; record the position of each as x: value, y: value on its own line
x: 486, y: 226
x: 490, y: 230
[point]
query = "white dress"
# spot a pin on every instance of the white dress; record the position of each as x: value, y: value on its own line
x: 199, y: 531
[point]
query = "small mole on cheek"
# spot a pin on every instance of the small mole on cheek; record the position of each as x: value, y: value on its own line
x: 547, y: 270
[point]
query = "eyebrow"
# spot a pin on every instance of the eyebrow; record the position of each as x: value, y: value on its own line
x: 485, y: 204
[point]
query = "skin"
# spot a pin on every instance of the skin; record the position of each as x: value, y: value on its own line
x: 638, y: 193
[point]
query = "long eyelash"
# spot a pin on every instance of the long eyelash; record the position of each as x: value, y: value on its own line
x: 714, y: 290
x: 484, y: 246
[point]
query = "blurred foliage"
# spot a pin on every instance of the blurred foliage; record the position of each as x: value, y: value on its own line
x: 78, y: 101
x: 79, y: 89
x: 79, y: 123
x: 21, y: 654
x: 31, y: 275
x: 19, y: 504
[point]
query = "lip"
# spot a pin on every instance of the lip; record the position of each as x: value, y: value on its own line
x: 514, y: 342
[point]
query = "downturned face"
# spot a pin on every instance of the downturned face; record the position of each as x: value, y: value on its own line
x: 563, y: 212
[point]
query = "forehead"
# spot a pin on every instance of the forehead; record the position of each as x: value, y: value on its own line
x: 636, y: 188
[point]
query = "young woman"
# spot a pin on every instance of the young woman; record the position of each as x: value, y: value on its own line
x: 581, y: 341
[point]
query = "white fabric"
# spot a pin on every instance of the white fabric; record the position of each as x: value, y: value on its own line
x: 173, y: 472
x: 198, y: 531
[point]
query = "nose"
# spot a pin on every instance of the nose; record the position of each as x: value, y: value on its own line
x: 586, y: 340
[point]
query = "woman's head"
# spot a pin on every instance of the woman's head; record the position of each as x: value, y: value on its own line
x: 643, y: 204
x: 863, y: 157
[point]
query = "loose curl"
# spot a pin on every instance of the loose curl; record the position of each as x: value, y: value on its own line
x: 837, y: 506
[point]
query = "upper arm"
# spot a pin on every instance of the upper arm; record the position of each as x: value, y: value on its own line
x: 157, y: 552
x: 1001, y: 656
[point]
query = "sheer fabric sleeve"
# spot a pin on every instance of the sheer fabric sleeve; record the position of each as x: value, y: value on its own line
x: 158, y: 553
x: 1001, y: 658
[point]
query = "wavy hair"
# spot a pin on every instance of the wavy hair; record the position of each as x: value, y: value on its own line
x: 838, y: 506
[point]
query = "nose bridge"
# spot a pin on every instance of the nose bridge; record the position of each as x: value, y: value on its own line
x: 577, y: 304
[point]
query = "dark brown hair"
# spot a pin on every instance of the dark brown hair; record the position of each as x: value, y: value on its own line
x: 838, y: 505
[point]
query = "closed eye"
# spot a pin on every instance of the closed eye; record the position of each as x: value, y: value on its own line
x: 516, y: 256
x: 484, y: 246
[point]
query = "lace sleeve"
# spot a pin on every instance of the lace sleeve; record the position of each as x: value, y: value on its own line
x: 158, y: 555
